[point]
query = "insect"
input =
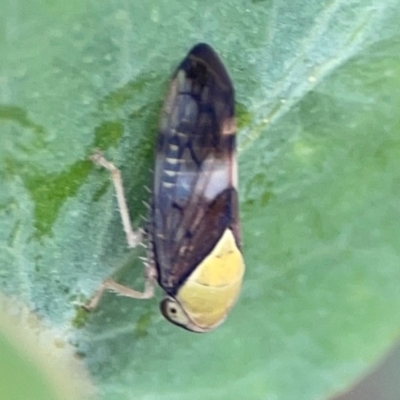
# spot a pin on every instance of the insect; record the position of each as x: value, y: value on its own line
x: 194, y: 238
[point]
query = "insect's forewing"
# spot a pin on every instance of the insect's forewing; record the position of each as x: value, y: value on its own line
x: 195, y: 194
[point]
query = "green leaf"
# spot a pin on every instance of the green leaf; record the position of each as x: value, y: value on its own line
x: 19, y: 378
x: 26, y: 370
x: 317, y: 91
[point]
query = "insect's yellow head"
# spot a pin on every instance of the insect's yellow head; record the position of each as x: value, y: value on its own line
x: 173, y: 312
x: 205, y: 298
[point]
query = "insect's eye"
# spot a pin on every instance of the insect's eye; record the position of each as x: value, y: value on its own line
x: 173, y: 312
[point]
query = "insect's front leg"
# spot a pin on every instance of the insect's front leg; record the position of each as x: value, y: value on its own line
x: 110, y: 284
x: 133, y: 238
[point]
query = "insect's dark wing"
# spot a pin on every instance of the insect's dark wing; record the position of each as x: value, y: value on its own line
x: 195, y: 197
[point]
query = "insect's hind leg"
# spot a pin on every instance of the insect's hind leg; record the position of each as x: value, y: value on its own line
x: 133, y: 238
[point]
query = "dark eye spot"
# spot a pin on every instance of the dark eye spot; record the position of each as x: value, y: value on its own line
x: 173, y: 310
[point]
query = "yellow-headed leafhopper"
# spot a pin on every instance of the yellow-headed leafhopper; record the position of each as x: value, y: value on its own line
x: 194, y: 240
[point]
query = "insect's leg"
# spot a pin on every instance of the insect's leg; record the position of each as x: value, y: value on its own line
x: 125, y: 291
x: 133, y: 238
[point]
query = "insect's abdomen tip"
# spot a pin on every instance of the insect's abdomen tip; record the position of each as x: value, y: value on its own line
x: 208, y: 56
x: 202, y: 50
